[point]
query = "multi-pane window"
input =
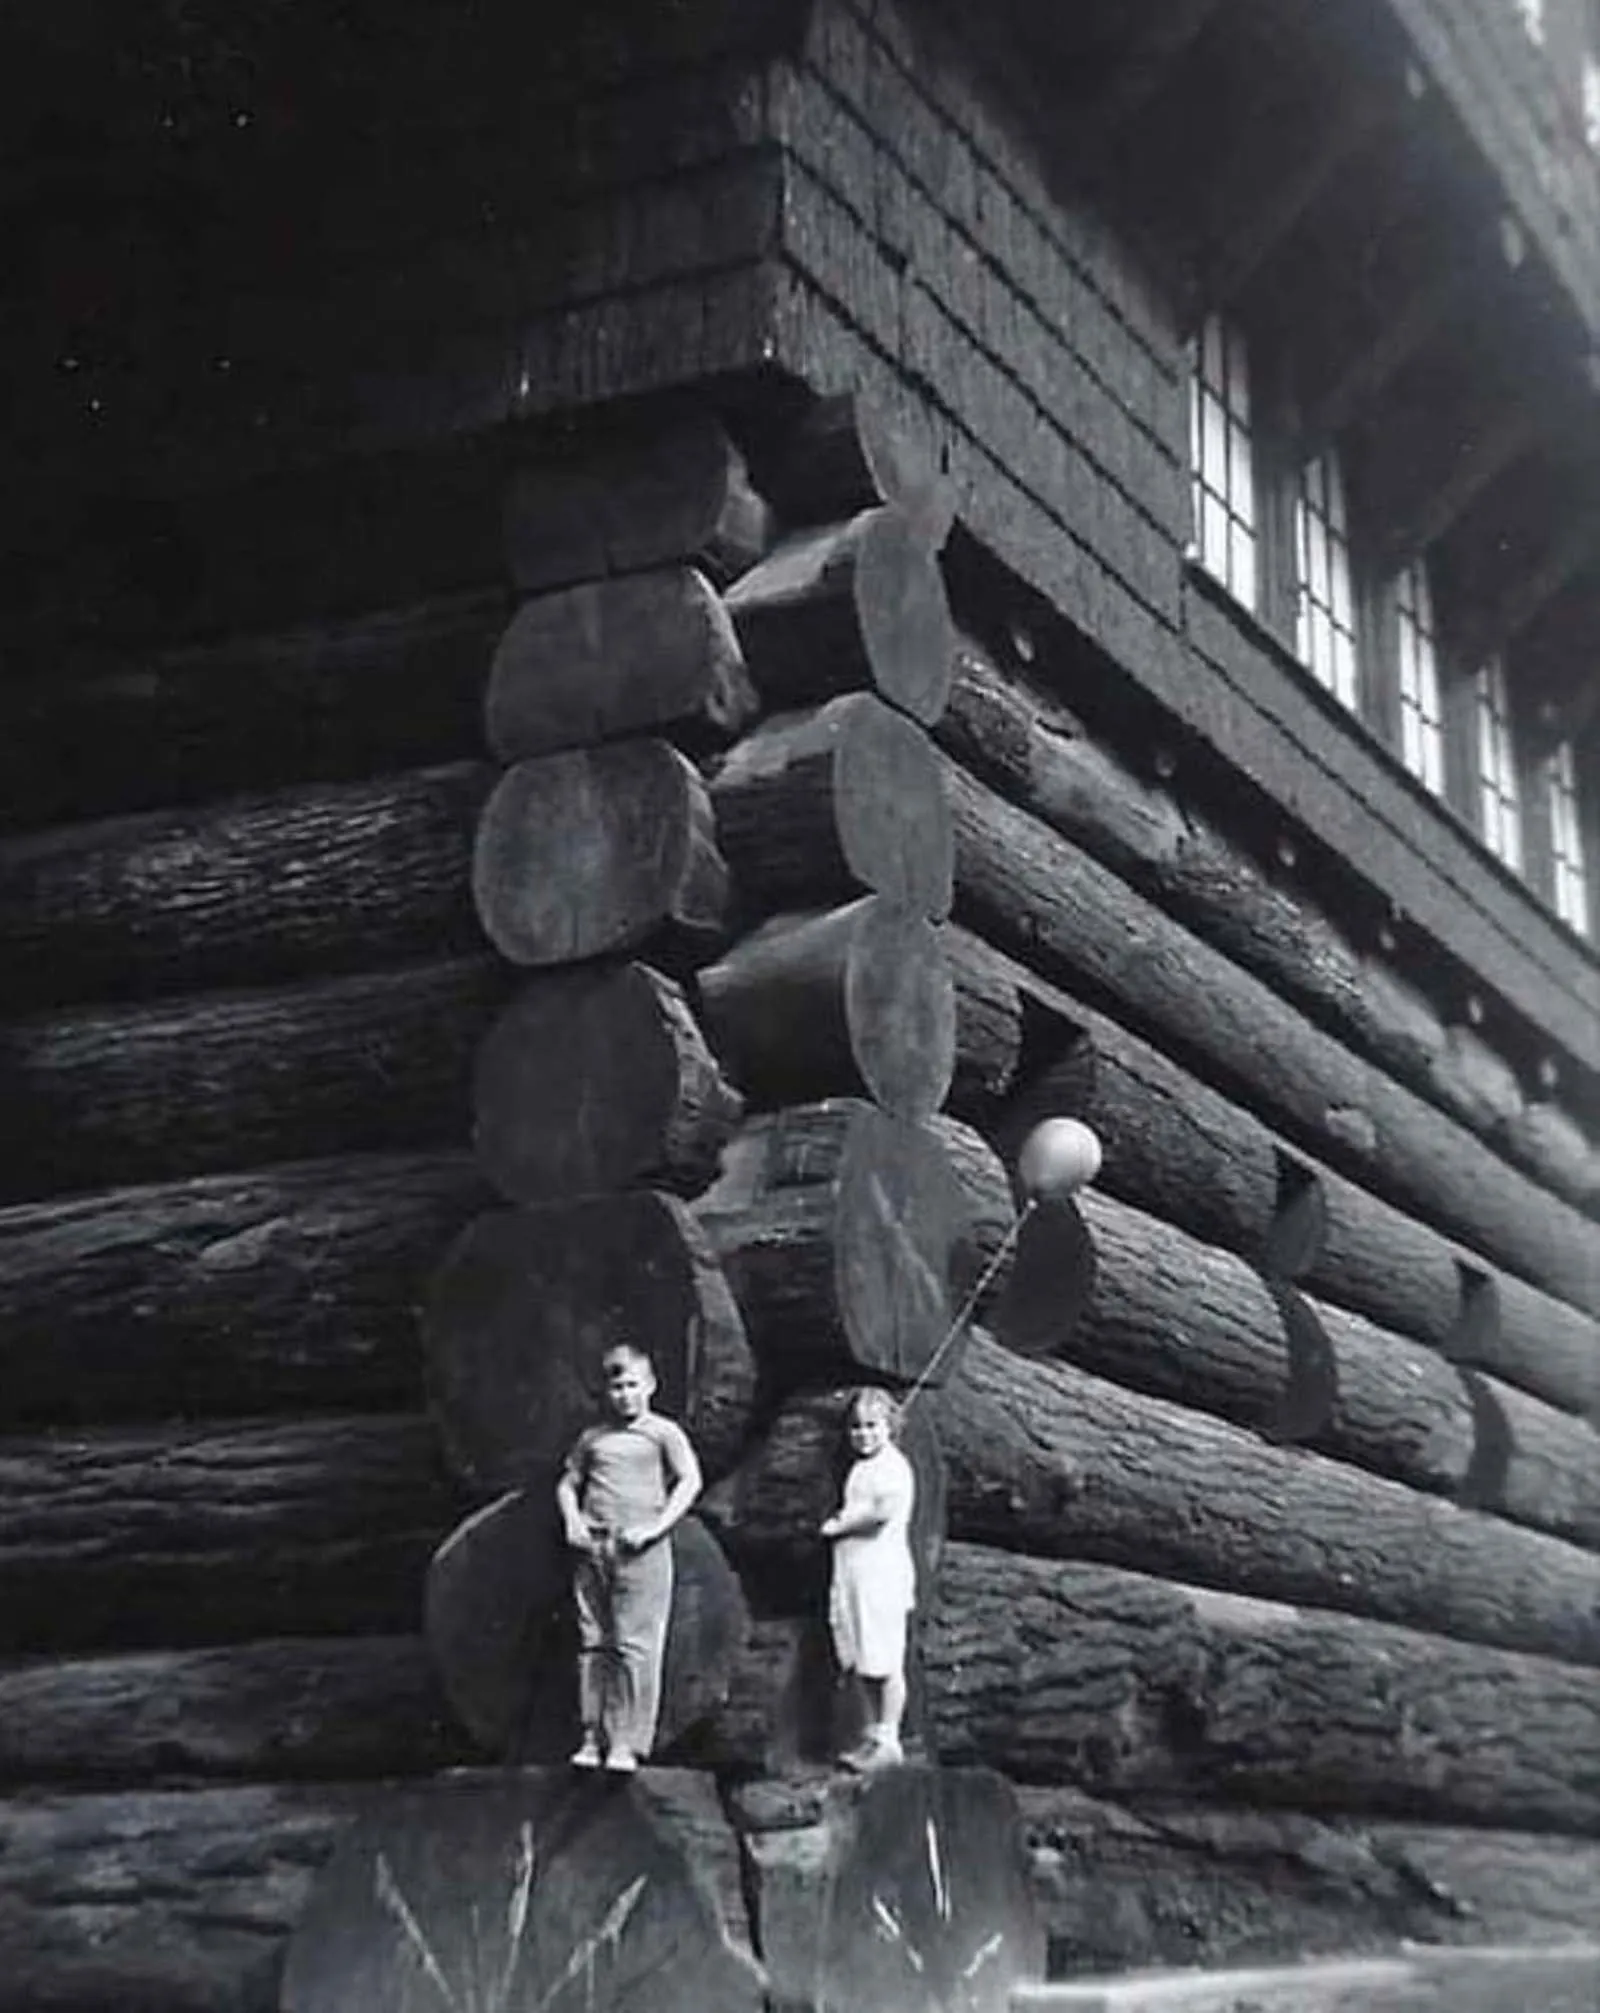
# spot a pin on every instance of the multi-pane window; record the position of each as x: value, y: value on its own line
x: 1221, y: 458
x: 1421, y: 710
x: 1325, y: 607
x: 1531, y: 14
x: 1569, y: 869
x: 1499, y: 801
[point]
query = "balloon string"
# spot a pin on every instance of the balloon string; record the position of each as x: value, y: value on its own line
x: 1007, y: 1245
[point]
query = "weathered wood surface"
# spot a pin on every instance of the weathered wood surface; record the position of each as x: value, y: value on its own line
x: 836, y: 1225
x: 598, y: 1080
x: 854, y: 1001
x: 643, y: 653
x: 1505, y: 1979
x: 858, y: 605
x: 1049, y: 1459
x: 249, y: 891
x: 1021, y: 884
x: 846, y: 454
x: 345, y: 698
x: 1197, y: 1325
x: 1547, y: 1139
x: 1130, y: 1884
x: 1182, y: 1151
x: 222, y: 1081
x: 290, y: 1708
x: 1128, y: 1686
x: 905, y: 1892
x: 181, y: 1900
x: 766, y: 1513
x: 598, y: 850
x: 1336, y: 1985
x: 291, y: 1288
x: 500, y: 1627
x: 620, y: 498
x: 1009, y: 729
x: 823, y: 804
x: 989, y: 1024
x: 526, y: 1302
x: 526, y: 1884
x: 163, y: 1536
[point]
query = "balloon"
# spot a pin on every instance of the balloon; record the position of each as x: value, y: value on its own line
x: 1058, y: 1157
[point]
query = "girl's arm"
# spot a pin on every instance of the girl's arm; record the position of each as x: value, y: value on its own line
x: 857, y: 1520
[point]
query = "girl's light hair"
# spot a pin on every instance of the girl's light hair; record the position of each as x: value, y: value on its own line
x: 873, y: 1398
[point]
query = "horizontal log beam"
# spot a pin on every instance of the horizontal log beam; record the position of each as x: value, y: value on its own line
x: 840, y: 799
x: 252, y: 891
x: 166, y: 1536
x: 620, y: 498
x: 1180, y: 1150
x: 643, y: 653
x: 844, y: 455
x: 1030, y: 890
x: 342, y: 699
x: 1049, y: 1459
x: 220, y: 1081
x: 294, y: 1288
x: 1128, y: 1885
x: 598, y: 850
x: 857, y: 1001
x: 1128, y: 1686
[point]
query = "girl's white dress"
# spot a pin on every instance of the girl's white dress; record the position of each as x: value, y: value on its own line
x: 874, y: 1581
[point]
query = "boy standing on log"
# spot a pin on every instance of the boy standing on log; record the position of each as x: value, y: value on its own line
x: 873, y: 1587
x: 625, y: 1483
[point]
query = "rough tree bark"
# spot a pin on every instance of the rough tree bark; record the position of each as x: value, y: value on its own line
x: 331, y: 877
x: 643, y: 653
x: 526, y: 1302
x: 292, y: 1288
x: 598, y: 1080
x: 222, y: 1081
x: 1048, y: 1459
x: 855, y: 1000
x: 824, y: 804
x: 597, y: 850
x: 162, y: 1536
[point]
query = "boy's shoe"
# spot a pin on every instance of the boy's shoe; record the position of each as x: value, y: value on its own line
x: 885, y: 1752
x: 588, y: 1755
x: 622, y: 1761
x: 860, y: 1758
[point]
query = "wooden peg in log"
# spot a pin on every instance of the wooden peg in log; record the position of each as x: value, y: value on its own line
x: 500, y: 1627
x: 597, y: 1080
x: 859, y: 999
x: 642, y: 653
x: 528, y: 1300
x: 595, y: 850
x: 529, y: 1889
x: 620, y: 500
x: 845, y: 796
x: 837, y: 1225
x: 855, y: 605
x: 844, y: 455
x: 906, y: 1893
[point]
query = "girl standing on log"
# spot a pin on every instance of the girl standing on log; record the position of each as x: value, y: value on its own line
x: 873, y: 1585
x: 623, y: 1486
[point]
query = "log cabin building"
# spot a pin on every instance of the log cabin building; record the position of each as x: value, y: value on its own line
x: 631, y: 640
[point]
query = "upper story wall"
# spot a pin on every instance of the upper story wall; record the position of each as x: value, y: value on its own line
x: 939, y: 253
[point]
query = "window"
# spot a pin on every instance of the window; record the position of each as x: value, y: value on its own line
x: 1325, y: 611
x: 1531, y: 13
x: 1421, y: 708
x: 1499, y: 803
x: 1221, y: 457
x: 1589, y: 88
x: 1569, y: 875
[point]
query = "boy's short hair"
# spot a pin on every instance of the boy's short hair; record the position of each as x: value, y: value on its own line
x: 627, y: 1352
x: 873, y: 1398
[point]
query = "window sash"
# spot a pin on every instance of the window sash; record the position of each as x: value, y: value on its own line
x: 1569, y: 866
x: 1499, y: 798
x: 1420, y: 694
x: 1222, y: 460
x: 1325, y: 603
